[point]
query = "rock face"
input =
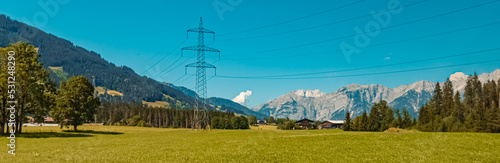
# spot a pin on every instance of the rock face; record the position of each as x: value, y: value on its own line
x: 314, y: 104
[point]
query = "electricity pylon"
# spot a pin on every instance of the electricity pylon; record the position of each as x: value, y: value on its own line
x: 201, y: 74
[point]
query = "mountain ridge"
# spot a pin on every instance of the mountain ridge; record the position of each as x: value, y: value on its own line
x: 357, y: 98
x: 75, y: 60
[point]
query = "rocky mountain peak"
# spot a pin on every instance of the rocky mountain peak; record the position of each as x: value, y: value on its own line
x: 308, y: 93
x: 358, y: 98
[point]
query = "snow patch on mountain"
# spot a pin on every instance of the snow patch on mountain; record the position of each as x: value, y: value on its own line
x: 308, y: 93
x: 314, y: 104
x: 458, y: 79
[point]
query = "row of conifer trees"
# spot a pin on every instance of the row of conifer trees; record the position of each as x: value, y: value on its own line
x: 476, y: 110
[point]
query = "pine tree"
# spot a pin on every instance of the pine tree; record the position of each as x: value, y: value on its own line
x: 457, y: 107
x: 492, y: 118
x: 447, y: 103
x: 373, y: 118
x: 498, y: 93
x: 363, y: 126
x: 477, y: 86
x: 388, y: 120
x: 356, y: 124
x: 476, y: 118
x: 468, y: 96
x: 437, y: 99
x: 406, y: 119
x: 458, y: 113
x: 347, y: 121
x: 423, y: 115
x: 494, y: 96
x: 399, y: 120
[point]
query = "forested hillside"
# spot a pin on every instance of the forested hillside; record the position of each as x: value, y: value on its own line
x: 75, y: 60
x: 63, y: 59
x: 231, y: 106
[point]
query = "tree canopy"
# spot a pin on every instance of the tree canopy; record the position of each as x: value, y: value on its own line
x: 76, y: 102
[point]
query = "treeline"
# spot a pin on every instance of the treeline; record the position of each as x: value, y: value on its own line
x: 478, y: 111
x: 381, y: 118
x: 227, y: 122
x: 75, y: 101
x: 136, y: 114
x: 289, y: 124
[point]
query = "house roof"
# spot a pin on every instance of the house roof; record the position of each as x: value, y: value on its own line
x: 48, y: 119
x: 305, y: 119
x: 335, y: 121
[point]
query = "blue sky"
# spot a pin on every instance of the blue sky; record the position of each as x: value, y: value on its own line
x: 138, y: 34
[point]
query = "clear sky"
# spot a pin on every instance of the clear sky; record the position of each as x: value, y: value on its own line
x: 266, y: 38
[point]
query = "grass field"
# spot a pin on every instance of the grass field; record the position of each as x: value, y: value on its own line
x: 100, y: 91
x: 263, y: 144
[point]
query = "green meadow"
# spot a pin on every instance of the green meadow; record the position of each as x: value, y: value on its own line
x: 265, y: 144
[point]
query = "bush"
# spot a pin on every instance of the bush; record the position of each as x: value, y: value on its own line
x: 398, y: 130
x: 289, y: 125
x: 142, y: 124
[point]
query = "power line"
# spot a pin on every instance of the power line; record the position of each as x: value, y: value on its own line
x: 191, y: 75
x: 161, y: 72
x: 164, y: 70
x: 378, y: 66
x: 386, y: 43
x: 165, y: 56
x: 186, y: 78
x: 366, y: 74
x: 211, y: 78
x: 402, y: 24
x: 318, y: 26
x: 410, y: 62
x: 179, y: 78
x: 161, y: 50
x: 288, y: 21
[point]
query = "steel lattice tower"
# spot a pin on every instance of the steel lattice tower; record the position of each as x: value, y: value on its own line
x: 201, y: 75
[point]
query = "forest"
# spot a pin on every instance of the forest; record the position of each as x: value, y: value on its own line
x: 75, y: 101
x: 477, y: 110
x: 136, y: 114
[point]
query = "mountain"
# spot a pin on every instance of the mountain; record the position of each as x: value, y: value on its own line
x: 231, y: 106
x: 221, y: 104
x: 356, y: 98
x: 63, y: 59
x: 75, y: 60
x: 184, y: 90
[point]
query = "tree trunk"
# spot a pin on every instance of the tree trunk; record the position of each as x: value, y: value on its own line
x: 3, y: 112
x: 21, y: 116
x: 18, y: 116
x: 75, y: 127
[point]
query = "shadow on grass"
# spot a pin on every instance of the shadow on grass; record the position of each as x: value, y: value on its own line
x: 52, y: 134
x: 67, y: 133
x: 93, y: 132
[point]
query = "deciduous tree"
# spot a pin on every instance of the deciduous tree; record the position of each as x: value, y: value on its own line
x: 76, y: 102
